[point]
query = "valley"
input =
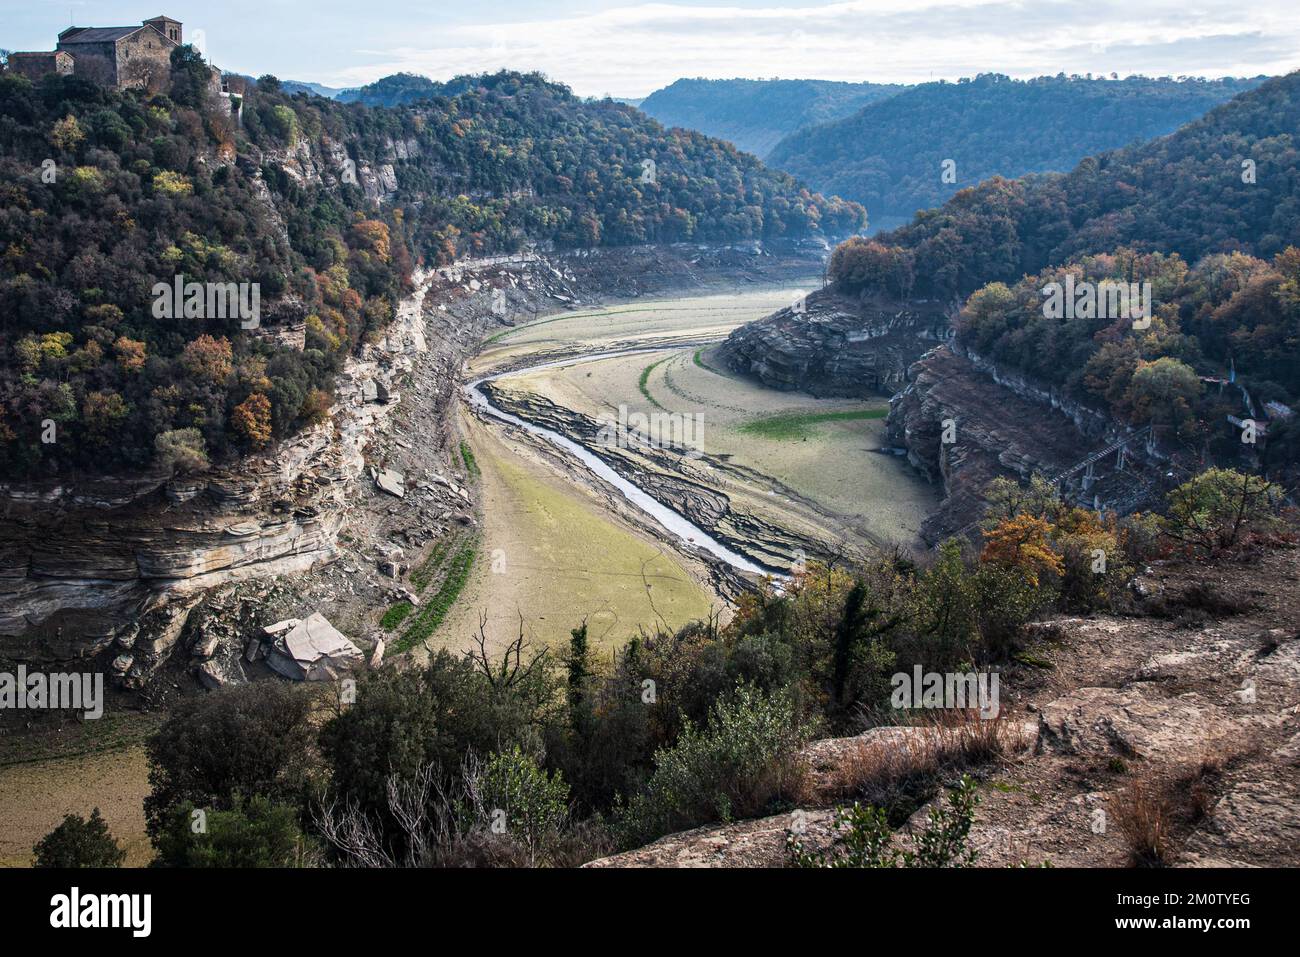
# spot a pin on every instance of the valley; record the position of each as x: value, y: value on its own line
x: 541, y: 472
x: 755, y: 481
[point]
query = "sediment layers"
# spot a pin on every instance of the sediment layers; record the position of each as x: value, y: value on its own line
x: 1001, y: 424
x: 828, y: 344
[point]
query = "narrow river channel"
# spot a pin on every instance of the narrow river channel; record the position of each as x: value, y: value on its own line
x: 671, y: 521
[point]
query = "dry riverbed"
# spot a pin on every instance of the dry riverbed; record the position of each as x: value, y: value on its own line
x: 774, y: 475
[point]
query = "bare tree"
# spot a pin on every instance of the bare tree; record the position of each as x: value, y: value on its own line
x: 511, y: 668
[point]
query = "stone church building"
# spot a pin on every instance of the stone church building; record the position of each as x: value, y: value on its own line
x: 124, y: 57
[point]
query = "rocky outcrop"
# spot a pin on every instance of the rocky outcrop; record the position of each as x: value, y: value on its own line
x: 83, y: 564
x: 1199, y: 714
x: 963, y: 422
x: 827, y: 344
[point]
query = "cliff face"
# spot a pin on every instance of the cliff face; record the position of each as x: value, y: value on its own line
x: 832, y: 345
x: 1002, y: 424
x: 83, y: 564
x: 115, y: 567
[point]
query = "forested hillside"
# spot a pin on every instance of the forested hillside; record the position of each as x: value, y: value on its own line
x: 396, y: 90
x: 104, y: 194
x: 757, y: 114
x: 890, y: 155
x: 1209, y: 216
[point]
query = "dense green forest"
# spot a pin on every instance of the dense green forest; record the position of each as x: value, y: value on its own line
x: 104, y: 194
x: 890, y: 154
x: 399, y: 89
x: 757, y: 114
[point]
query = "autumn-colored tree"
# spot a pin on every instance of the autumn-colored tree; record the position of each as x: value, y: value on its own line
x: 1023, y: 543
x: 860, y: 263
x: 316, y: 407
x: 208, y: 358
x: 252, y: 419
x: 372, y: 236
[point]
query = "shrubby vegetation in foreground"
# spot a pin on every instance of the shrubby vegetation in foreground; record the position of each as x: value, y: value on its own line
x: 526, y: 758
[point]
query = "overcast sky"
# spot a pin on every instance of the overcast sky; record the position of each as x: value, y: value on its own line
x: 630, y: 49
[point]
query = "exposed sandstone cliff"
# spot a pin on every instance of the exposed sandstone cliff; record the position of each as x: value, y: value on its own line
x: 828, y: 344
x: 84, y: 563
x: 1002, y: 424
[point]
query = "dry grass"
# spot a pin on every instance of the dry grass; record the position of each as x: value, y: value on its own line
x: 1159, y: 809
x: 900, y: 768
x: 1144, y: 816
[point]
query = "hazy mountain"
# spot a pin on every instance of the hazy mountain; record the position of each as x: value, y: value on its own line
x: 891, y: 155
x: 757, y: 114
x: 301, y: 86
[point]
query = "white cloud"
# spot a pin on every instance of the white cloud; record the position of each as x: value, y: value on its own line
x: 631, y: 50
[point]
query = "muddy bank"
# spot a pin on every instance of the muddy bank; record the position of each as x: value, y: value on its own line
x: 676, y: 477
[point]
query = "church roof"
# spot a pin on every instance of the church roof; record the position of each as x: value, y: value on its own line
x: 102, y: 34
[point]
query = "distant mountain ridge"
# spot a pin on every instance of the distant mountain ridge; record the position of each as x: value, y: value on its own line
x: 891, y: 155
x: 757, y: 114
x: 1188, y: 193
x: 319, y: 89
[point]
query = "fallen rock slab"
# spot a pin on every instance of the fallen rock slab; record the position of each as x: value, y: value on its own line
x: 392, y: 482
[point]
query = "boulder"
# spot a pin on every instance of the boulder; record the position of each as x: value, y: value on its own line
x: 312, y: 651
x: 392, y: 482
x: 211, y: 676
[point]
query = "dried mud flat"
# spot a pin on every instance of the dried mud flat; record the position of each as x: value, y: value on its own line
x: 776, y: 476
x: 555, y: 551
x: 35, y: 796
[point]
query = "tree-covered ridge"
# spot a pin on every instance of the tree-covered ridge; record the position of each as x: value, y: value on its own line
x: 1209, y: 216
x: 1231, y: 312
x: 890, y: 154
x: 1223, y: 183
x: 140, y: 187
x: 757, y: 114
x: 396, y: 90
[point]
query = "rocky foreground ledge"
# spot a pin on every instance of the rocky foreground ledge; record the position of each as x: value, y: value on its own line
x: 1193, y: 702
